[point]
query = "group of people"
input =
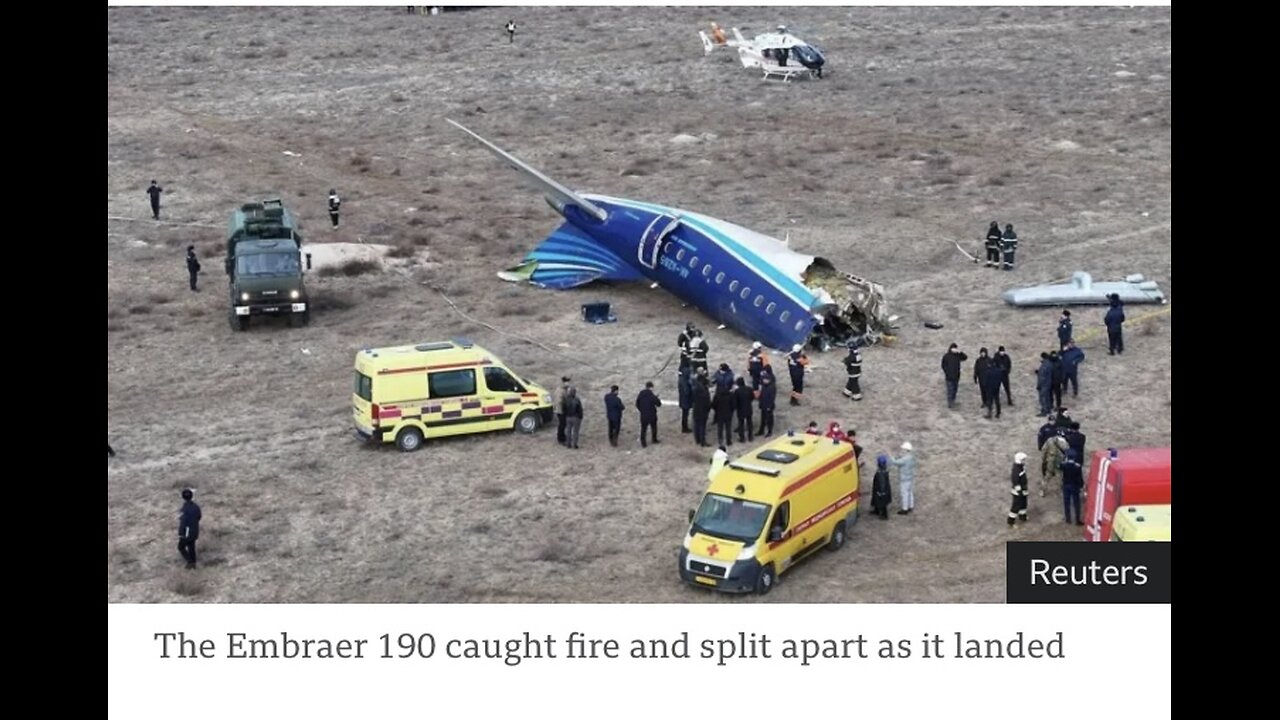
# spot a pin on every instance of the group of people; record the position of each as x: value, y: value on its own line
x: 569, y: 412
x: 990, y: 374
x: 1001, y: 246
x: 1062, y: 452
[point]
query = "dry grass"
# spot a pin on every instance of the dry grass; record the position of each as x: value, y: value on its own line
x: 829, y: 162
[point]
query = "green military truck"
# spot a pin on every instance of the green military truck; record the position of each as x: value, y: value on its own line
x: 264, y: 265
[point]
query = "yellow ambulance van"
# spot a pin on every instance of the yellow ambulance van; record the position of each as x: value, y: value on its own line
x: 1141, y: 523
x: 769, y: 509
x: 410, y: 393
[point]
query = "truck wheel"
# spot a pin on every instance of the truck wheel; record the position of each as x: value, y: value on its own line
x: 409, y: 439
x: 240, y: 323
x: 766, y: 580
x: 527, y: 422
x: 837, y: 537
x: 299, y: 319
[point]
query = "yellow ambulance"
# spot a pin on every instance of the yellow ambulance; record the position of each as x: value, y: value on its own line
x: 410, y: 393
x: 769, y: 509
x: 1141, y: 523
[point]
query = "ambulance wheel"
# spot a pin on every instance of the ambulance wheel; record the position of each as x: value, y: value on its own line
x: 765, y: 580
x: 527, y: 422
x: 837, y: 537
x: 409, y: 439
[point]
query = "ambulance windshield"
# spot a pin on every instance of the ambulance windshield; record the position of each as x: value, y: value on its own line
x: 730, y: 518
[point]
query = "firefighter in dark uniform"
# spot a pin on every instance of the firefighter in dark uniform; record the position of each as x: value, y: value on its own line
x: 684, y: 342
x: 853, y: 369
x: 1008, y: 245
x: 698, y: 352
x: 993, y: 245
x: 768, y: 401
x: 797, y: 361
x: 1018, y: 480
x: 701, y: 409
x: 1005, y: 363
x: 755, y: 364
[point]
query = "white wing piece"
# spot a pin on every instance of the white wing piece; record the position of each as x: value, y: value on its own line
x: 551, y: 188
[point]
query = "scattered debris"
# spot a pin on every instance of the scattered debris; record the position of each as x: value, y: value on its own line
x: 933, y: 325
x: 291, y: 153
x: 1082, y: 290
x: 683, y: 139
x: 598, y: 313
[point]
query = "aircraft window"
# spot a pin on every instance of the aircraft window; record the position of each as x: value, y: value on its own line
x: 785, y: 316
x: 680, y: 254
x: 759, y: 300
x: 719, y: 278
x: 746, y: 293
x: 666, y: 248
x: 799, y: 325
x: 706, y: 270
x: 693, y: 262
x: 769, y: 310
x: 733, y: 286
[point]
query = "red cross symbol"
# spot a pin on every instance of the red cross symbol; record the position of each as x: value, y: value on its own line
x: 712, y: 549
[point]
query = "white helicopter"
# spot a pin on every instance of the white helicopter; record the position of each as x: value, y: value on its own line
x: 777, y: 54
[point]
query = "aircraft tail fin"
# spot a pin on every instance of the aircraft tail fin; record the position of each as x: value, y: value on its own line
x: 569, y: 258
x: 554, y: 191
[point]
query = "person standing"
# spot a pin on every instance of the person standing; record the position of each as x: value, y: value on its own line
x: 335, y: 205
x: 560, y: 418
x: 853, y: 371
x: 723, y: 379
x: 1044, y: 384
x: 647, y: 402
x: 154, y: 191
x: 698, y: 352
x: 979, y: 367
x: 1005, y: 363
x: 1051, y: 457
x: 993, y: 245
x: 193, y: 267
x: 755, y: 364
x: 1114, y: 320
x: 701, y: 409
x: 613, y: 409
x: 1009, y: 245
x: 684, y: 342
x: 684, y: 389
x: 989, y: 385
x: 881, y: 495
x: 768, y: 402
x: 573, y: 419
x: 718, y: 460
x: 743, y: 398
x: 1064, y: 330
x: 1058, y: 379
x: 511, y: 31
x: 1072, y: 483
x: 951, y: 372
x: 188, y: 528
x: 906, y: 463
x: 797, y: 363
x: 1018, y: 478
x: 1072, y: 356
x: 723, y: 404
x: 1075, y: 440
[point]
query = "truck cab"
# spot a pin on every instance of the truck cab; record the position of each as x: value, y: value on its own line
x: 265, y: 265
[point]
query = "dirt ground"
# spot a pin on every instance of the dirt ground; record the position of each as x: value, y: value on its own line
x: 930, y: 123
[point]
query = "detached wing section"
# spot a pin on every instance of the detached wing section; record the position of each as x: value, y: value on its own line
x: 569, y: 258
x: 557, y: 193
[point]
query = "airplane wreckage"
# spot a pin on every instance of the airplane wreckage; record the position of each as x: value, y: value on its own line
x: 745, y: 280
x: 1082, y: 290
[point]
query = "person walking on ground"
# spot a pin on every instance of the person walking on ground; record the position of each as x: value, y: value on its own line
x: 1044, y: 384
x: 743, y: 399
x: 768, y: 402
x: 797, y: 363
x: 560, y: 418
x: 951, y: 372
x: 647, y: 402
x: 1072, y: 483
x: 613, y: 409
x: 993, y: 245
x: 881, y: 495
x: 335, y: 205
x: 573, y: 419
x: 989, y: 384
x: 1114, y: 320
x: 1064, y: 330
x: 1009, y: 245
x: 511, y: 31
x: 1052, y: 455
x: 1005, y: 363
x: 979, y: 367
x: 1018, y: 478
x: 1072, y: 356
x: 154, y: 191
x: 701, y: 409
x: 193, y: 267
x: 723, y: 404
x: 188, y: 528
x: 853, y: 371
x: 906, y: 464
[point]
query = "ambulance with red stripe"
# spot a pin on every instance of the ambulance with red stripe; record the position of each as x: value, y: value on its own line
x: 410, y: 393
x: 769, y: 509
